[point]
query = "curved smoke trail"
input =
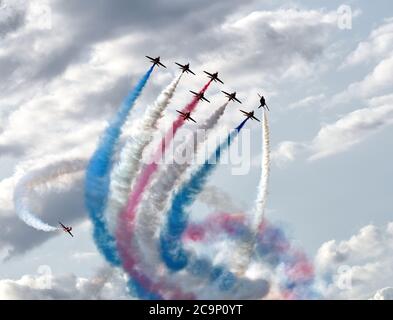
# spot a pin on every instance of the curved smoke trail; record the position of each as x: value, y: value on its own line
x: 148, y: 218
x: 126, y: 219
x: 131, y: 155
x: 34, y: 178
x: 291, y: 272
x: 172, y: 251
x: 98, y: 174
x: 176, y: 257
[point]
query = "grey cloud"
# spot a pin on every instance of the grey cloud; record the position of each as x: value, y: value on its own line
x: 11, y: 18
x: 367, y: 259
x: 178, y: 30
x: 107, y: 283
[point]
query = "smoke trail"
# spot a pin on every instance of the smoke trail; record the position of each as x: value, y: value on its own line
x: 172, y: 252
x: 34, y: 178
x: 130, y: 157
x: 177, y: 258
x: 98, y: 171
x: 246, y: 249
x: 263, y: 183
x: 148, y: 218
x: 217, y: 199
x: 127, y: 216
x: 289, y: 267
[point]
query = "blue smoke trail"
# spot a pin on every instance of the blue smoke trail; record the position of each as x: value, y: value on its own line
x: 172, y: 251
x: 98, y: 174
x: 240, y: 126
x: 140, y: 292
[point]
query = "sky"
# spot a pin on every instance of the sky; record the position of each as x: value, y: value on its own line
x: 66, y: 65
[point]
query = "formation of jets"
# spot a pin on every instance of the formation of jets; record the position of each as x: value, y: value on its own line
x: 214, y: 77
x: 187, y: 116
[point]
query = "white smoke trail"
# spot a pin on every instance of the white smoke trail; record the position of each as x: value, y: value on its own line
x: 260, y: 203
x: 149, y: 217
x: 218, y: 200
x: 149, y: 220
x: 39, y: 177
x: 245, y: 250
x: 123, y: 174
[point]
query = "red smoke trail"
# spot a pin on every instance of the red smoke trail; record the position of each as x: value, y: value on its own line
x: 213, y: 225
x: 126, y: 223
x: 298, y: 270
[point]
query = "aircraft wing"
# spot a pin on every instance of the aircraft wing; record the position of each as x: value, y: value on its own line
x: 180, y: 112
x: 194, y: 93
x: 203, y: 98
x: 62, y: 225
x: 236, y: 99
x: 181, y: 66
x: 208, y: 73
x: 219, y: 80
x: 255, y: 119
x: 191, y: 119
x: 191, y: 72
x: 159, y: 63
x: 246, y: 113
x: 70, y: 233
x: 226, y: 93
x: 267, y: 107
x: 152, y: 59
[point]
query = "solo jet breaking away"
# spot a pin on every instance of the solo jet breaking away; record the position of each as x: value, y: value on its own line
x: 250, y: 115
x: 262, y: 102
x: 213, y: 76
x: 231, y: 96
x: 66, y: 229
x: 156, y: 61
x: 185, y: 68
x: 186, y: 116
x: 200, y: 95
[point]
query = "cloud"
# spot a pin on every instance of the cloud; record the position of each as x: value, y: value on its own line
x: 81, y: 72
x: 383, y: 294
x: 12, y: 15
x: 377, y: 82
x: 108, y: 284
x: 339, y: 136
x: 60, y: 83
x: 350, y: 130
x: 356, y: 268
x: 286, y: 151
x: 80, y: 256
x: 308, y: 101
x: 378, y: 45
